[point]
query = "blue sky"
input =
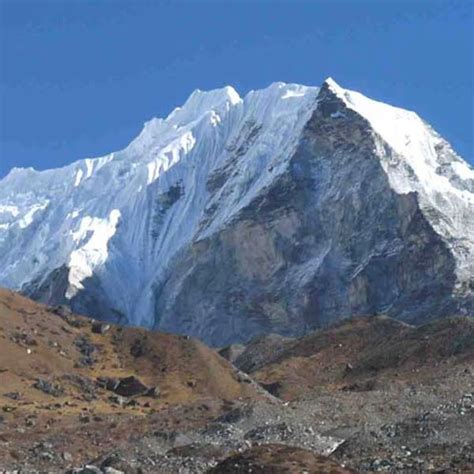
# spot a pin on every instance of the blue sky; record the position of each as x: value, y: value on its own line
x: 79, y: 78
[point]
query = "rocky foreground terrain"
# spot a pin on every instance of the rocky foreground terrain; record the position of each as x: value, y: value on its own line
x: 370, y: 394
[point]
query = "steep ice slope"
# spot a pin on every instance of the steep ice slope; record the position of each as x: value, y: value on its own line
x: 155, y: 191
x: 281, y: 211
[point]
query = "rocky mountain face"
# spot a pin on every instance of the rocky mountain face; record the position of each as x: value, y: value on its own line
x: 283, y: 211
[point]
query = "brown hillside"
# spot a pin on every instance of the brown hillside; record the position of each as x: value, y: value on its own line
x: 59, y: 371
x: 360, y: 353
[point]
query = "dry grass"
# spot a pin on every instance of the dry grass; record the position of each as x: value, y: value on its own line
x: 36, y: 343
x: 361, y: 353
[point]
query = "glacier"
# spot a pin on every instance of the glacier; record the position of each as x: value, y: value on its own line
x: 281, y: 211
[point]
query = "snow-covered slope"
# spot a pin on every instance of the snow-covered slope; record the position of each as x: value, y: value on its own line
x: 235, y: 216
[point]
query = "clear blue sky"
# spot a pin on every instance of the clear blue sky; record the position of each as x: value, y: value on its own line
x: 79, y: 78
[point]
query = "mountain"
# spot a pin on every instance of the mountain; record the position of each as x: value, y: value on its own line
x: 282, y: 211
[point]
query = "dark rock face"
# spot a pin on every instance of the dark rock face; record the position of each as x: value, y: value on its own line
x: 92, y: 301
x: 127, y: 387
x: 87, y: 351
x: 329, y: 239
x: 50, y: 388
x: 130, y: 386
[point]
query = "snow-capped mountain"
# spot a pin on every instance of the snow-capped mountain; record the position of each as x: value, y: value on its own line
x: 281, y: 211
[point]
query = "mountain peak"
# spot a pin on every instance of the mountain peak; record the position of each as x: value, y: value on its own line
x: 331, y: 84
x: 214, y: 96
x: 225, y: 193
